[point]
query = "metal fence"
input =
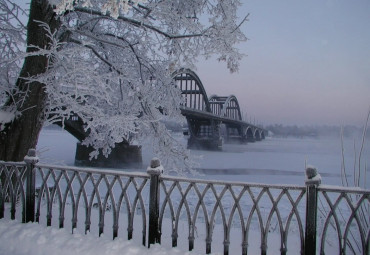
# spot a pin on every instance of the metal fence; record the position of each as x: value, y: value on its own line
x: 292, y: 219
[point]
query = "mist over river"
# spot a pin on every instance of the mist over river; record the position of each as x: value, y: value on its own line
x: 273, y: 160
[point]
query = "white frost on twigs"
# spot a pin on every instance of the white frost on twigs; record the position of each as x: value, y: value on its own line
x: 111, y: 7
x: 7, y: 117
x: 114, y: 75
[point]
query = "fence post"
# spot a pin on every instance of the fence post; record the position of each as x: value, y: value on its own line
x: 29, y: 209
x: 155, y: 170
x: 313, y: 180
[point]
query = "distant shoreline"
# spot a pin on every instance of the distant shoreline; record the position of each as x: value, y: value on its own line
x: 250, y: 171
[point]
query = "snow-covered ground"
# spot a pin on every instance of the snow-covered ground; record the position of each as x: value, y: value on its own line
x: 273, y: 161
x: 36, y: 239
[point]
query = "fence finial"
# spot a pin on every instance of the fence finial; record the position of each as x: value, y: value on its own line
x: 312, y: 176
x: 313, y: 180
x: 31, y: 157
x: 155, y: 167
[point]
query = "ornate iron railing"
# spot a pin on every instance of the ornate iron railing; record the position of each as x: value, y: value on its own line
x: 87, y: 189
x: 83, y: 192
x: 320, y: 219
x: 344, y: 219
x: 250, y: 207
x: 12, y: 187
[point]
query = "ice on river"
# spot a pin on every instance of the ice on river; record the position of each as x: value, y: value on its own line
x: 273, y: 160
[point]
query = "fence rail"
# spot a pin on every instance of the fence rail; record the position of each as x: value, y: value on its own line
x: 320, y: 219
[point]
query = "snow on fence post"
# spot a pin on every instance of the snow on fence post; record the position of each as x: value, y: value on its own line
x: 313, y: 180
x: 155, y: 170
x: 29, y: 207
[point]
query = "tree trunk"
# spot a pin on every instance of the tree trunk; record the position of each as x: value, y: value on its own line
x: 22, y: 134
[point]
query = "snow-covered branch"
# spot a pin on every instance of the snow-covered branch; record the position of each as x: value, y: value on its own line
x: 110, y: 63
x: 12, y: 42
x: 141, y: 24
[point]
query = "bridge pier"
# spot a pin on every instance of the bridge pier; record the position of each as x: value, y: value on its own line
x: 122, y: 156
x: 234, y: 134
x: 205, y: 143
x: 251, y: 139
x: 204, y: 134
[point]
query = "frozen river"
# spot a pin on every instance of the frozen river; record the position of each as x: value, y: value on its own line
x: 273, y: 160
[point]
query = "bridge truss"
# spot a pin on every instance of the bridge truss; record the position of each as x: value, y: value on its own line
x: 210, y: 119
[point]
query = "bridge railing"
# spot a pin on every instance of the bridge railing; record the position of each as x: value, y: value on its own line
x: 235, y: 217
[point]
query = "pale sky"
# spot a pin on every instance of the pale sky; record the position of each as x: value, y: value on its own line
x: 308, y: 63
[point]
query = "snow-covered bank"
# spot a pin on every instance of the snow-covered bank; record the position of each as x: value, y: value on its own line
x: 36, y: 239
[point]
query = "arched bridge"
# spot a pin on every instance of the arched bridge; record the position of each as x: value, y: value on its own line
x: 210, y: 119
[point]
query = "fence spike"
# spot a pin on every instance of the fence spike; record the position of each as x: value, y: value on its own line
x: 154, y: 170
x: 313, y: 180
x: 31, y: 160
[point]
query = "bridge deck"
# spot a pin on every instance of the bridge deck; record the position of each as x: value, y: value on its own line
x: 186, y: 111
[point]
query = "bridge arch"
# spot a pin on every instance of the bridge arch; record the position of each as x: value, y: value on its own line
x: 205, y: 115
x: 192, y: 89
x: 216, y: 103
x: 226, y: 106
x: 257, y: 135
x: 249, y: 134
x: 232, y: 108
x: 263, y: 136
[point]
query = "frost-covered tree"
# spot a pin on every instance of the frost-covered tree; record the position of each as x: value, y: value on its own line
x: 109, y: 62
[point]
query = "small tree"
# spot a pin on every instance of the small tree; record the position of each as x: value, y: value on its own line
x: 109, y: 62
x: 343, y: 208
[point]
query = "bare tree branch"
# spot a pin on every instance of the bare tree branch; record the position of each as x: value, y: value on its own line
x: 139, y: 24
